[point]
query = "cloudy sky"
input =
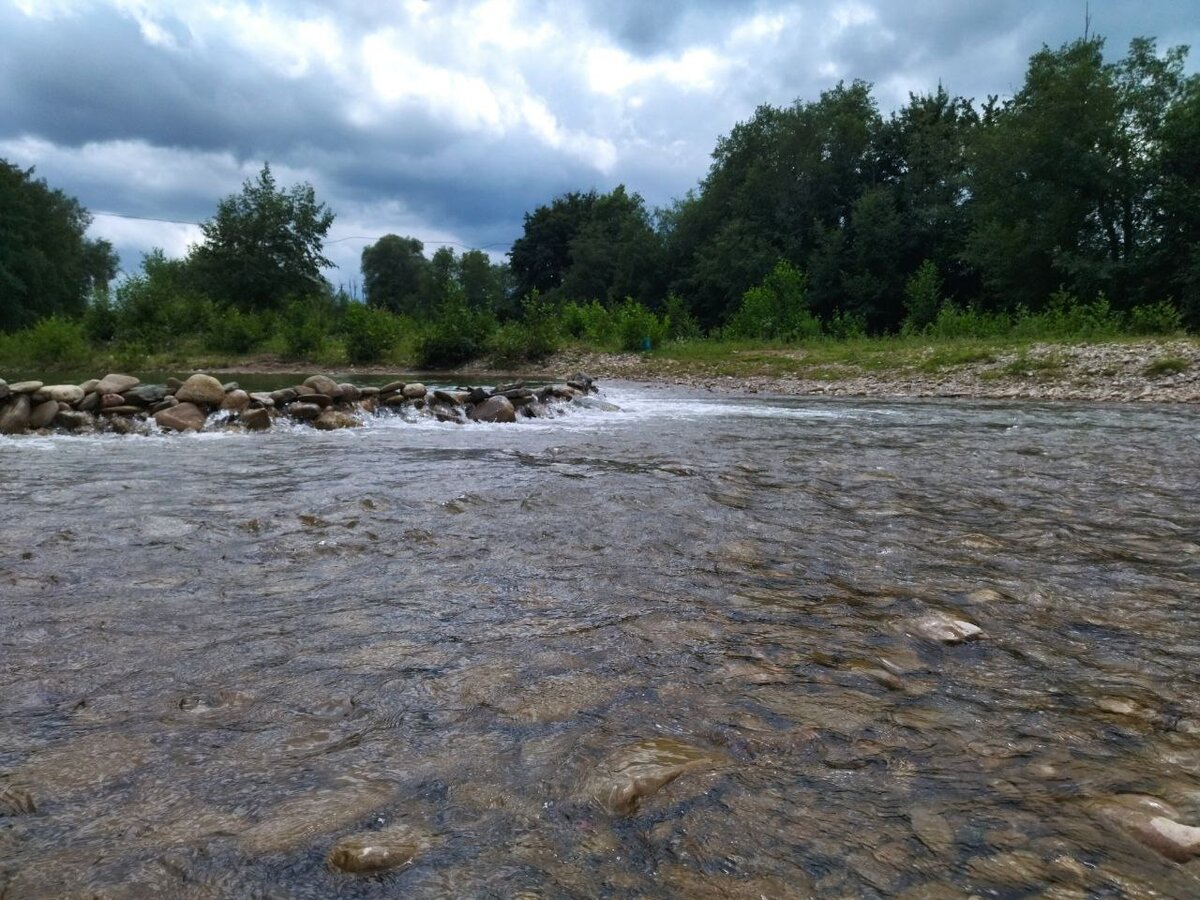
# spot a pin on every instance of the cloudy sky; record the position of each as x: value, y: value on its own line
x: 449, y: 119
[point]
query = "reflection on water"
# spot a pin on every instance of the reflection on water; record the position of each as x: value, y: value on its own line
x: 692, y: 649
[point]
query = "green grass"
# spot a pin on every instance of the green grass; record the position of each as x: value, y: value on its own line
x: 1166, y: 365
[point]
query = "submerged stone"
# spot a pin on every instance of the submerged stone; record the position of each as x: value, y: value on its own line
x: 622, y: 780
x: 378, y: 851
x: 947, y: 630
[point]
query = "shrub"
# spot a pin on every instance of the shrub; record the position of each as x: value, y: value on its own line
x: 590, y: 322
x: 681, y: 324
x: 234, y: 331
x: 369, y: 333
x: 954, y: 321
x: 635, y: 325
x: 54, y: 344
x: 1066, y: 317
x: 922, y: 298
x: 100, y: 319
x: 777, y: 309
x: 1155, y: 318
x: 304, y: 325
x: 458, y: 335
x: 1166, y: 365
x: 844, y: 326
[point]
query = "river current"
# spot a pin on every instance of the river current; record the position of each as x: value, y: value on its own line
x: 668, y: 651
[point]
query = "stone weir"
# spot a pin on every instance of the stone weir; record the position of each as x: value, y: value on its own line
x: 122, y: 404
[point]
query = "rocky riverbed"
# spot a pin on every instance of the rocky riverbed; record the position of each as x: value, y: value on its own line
x: 1146, y: 371
x: 123, y: 404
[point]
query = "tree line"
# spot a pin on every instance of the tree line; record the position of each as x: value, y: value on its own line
x: 822, y: 217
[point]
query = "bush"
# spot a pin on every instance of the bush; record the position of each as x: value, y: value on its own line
x: 590, y: 322
x: 457, y: 336
x: 777, y: 309
x: 1155, y: 318
x: 234, y: 331
x: 954, y: 321
x: 844, y: 326
x: 370, y: 334
x: 635, y: 325
x: 304, y: 325
x: 1066, y: 317
x: 681, y: 324
x: 922, y: 298
x: 54, y: 344
x: 100, y: 319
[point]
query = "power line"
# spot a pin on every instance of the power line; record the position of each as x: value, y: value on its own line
x: 352, y: 237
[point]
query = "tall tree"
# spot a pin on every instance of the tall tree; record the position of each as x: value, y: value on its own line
x: 394, y: 271
x: 264, y: 245
x: 47, y: 264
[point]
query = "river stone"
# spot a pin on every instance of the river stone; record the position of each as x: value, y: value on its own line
x: 184, y: 417
x: 202, y: 390
x: 125, y: 409
x: 26, y: 387
x: 332, y: 419
x: 305, y: 411
x: 15, y: 415
x: 396, y: 400
x: 146, y: 394
x: 378, y: 851
x: 236, y: 400
x: 948, y: 630
x: 262, y: 399
x: 414, y: 391
x: 477, y: 395
x: 323, y: 384
x: 321, y: 400
x: 174, y: 384
x: 4, y: 389
x: 114, y: 383
x: 256, y: 419
x: 72, y: 420
x: 368, y: 392
x: 596, y: 403
x: 642, y: 769
x: 108, y: 401
x: 16, y: 801
x: 165, y: 403
x: 43, y: 414
x: 284, y: 396
x: 64, y: 393
x: 1154, y: 823
x: 494, y: 409
x: 89, y: 386
x: 90, y: 403
x: 454, y: 398
x: 349, y: 392
x: 392, y: 387
x: 230, y: 386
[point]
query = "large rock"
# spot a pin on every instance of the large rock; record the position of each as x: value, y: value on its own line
x: 378, y: 851
x: 349, y: 392
x: 323, y: 384
x: 304, y: 411
x: 332, y: 419
x: 43, y: 414
x: 4, y: 389
x: 116, y: 384
x: 256, y: 419
x: 14, y: 415
x: 26, y: 387
x: 236, y: 400
x: 414, y: 391
x: 184, y: 417
x: 146, y: 394
x: 203, y: 390
x: 64, y: 393
x: 72, y: 421
x: 637, y: 771
x: 494, y: 409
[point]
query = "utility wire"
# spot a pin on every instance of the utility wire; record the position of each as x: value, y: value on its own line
x: 352, y: 237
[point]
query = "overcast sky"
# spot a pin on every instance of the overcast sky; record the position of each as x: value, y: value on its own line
x: 449, y: 119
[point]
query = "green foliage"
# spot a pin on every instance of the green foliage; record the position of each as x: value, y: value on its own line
x: 234, y: 331
x: 156, y: 308
x: 1155, y: 318
x: 846, y: 326
x: 458, y: 335
x: 1166, y: 365
x: 393, y: 271
x: 1066, y: 317
x: 777, y: 309
x: 953, y: 321
x: 922, y: 298
x: 305, y: 325
x: 100, y: 319
x: 47, y: 265
x: 369, y: 334
x: 589, y: 322
x: 53, y: 344
x: 263, y: 246
x: 532, y: 339
x: 635, y: 325
x: 681, y: 324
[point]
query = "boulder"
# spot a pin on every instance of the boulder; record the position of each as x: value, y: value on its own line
x: 43, y: 414
x: 946, y: 629
x: 368, y: 392
x: 202, y: 390
x: 284, y: 396
x: 116, y: 384
x: 392, y: 387
x: 184, y: 417
x: 146, y: 394
x: 64, y: 393
x: 323, y: 384
x: 90, y: 403
x: 230, y: 386
x: 378, y: 851
x: 632, y: 773
x: 89, y: 386
x: 72, y: 421
x: 494, y: 409
x: 108, y: 401
x: 14, y: 415
x: 26, y: 387
x: 174, y: 384
x: 165, y: 403
x: 454, y: 398
x: 349, y: 392
x: 256, y: 419
x: 332, y: 419
x: 4, y: 389
x: 236, y: 400
x: 321, y: 400
x: 1155, y: 824
x: 414, y: 391
x: 262, y: 399
x: 305, y: 411
x: 125, y: 409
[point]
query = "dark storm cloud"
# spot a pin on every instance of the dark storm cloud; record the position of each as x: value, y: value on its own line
x: 451, y: 119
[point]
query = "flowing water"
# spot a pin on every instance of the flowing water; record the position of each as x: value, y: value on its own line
x: 671, y: 651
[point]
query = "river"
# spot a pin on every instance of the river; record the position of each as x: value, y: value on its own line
x: 675, y: 650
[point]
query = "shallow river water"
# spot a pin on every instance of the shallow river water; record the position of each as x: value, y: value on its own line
x: 670, y: 651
